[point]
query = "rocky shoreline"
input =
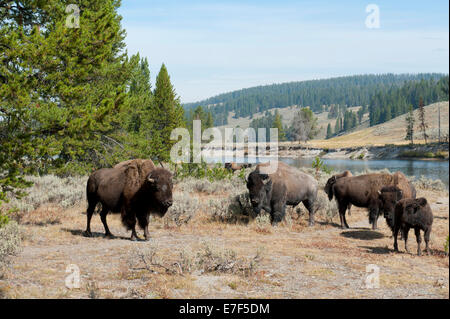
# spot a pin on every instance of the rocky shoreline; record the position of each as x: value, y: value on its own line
x: 435, y: 151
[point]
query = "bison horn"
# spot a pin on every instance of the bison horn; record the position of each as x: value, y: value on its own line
x: 379, y: 192
x: 151, y: 180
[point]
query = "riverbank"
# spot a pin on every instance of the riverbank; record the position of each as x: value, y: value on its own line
x: 421, y: 151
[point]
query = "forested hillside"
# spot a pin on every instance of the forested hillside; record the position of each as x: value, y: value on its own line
x: 358, y: 90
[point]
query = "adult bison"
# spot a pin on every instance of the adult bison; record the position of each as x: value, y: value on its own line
x: 362, y: 191
x: 286, y: 186
x: 133, y: 188
x: 337, y: 176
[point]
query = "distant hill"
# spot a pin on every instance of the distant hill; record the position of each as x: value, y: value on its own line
x: 349, y: 90
x: 393, y: 131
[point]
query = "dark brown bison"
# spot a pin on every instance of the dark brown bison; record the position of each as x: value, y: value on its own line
x: 403, y: 214
x: 131, y: 190
x: 287, y: 186
x: 333, y: 179
x: 406, y: 214
x: 362, y: 191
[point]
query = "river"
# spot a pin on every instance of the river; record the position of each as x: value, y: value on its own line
x: 432, y: 169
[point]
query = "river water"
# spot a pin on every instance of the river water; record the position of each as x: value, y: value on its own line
x: 431, y: 169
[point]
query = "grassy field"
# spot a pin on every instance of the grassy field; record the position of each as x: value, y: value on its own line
x: 203, y: 249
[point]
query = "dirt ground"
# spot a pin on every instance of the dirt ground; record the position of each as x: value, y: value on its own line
x: 296, y: 261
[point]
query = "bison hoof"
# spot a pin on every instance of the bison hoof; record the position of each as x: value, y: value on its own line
x: 109, y: 236
x: 87, y: 233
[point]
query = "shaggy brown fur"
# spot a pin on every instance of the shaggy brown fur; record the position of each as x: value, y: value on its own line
x: 144, y: 166
x: 331, y: 182
x: 362, y: 191
x: 124, y: 190
x: 412, y: 213
x: 287, y: 186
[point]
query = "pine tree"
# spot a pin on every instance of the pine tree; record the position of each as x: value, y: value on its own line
x: 410, y: 125
x: 61, y: 88
x: 167, y: 114
x: 329, y: 131
x: 423, y: 125
x: 279, y: 125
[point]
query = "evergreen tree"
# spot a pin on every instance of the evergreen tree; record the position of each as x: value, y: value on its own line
x: 329, y: 131
x: 61, y: 88
x: 410, y: 125
x: 423, y: 125
x: 278, y: 125
x: 167, y: 114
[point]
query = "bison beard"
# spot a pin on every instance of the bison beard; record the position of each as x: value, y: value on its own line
x: 123, y: 189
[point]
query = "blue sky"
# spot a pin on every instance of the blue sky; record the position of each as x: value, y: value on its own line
x: 212, y: 47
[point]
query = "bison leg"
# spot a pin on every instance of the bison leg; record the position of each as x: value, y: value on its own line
x: 419, y: 240
x: 373, y: 217
x: 143, y: 223
x: 89, y: 212
x: 103, y: 214
x: 310, y: 207
x: 426, y: 236
x: 342, y: 208
x: 396, y: 230
x: 278, y: 211
x: 405, y: 232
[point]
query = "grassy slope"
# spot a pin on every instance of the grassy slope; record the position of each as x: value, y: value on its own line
x: 393, y: 131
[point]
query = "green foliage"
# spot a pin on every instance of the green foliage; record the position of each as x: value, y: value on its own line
x: 202, y: 170
x: 61, y: 88
x: 4, y: 220
x: 318, y: 165
x: 446, y: 246
x: 329, y: 131
x: 304, y: 126
x: 166, y: 113
x: 396, y: 100
x: 410, y: 120
x: 269, y: 121
x: 241, y: 174
x: 350, y: 91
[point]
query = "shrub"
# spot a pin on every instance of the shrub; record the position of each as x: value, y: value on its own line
x: 426, y: 183
x: 446, y: 246
x: 4, y: 220
x: 50, y: 189
x: 9, y: 241
x: 202, y: 170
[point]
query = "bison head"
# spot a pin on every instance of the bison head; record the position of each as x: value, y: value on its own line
x: 389, y: 196
x: 259, y: 185
x: 160, y: 184
x: 328, y: 187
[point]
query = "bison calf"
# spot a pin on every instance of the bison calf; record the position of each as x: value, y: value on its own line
x: 124, y: 189
x: 406, y: 214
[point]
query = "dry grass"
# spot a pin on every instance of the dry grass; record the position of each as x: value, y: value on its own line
x: 207, y: 257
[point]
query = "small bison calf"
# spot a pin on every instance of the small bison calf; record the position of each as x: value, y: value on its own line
x: 406, y: 214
